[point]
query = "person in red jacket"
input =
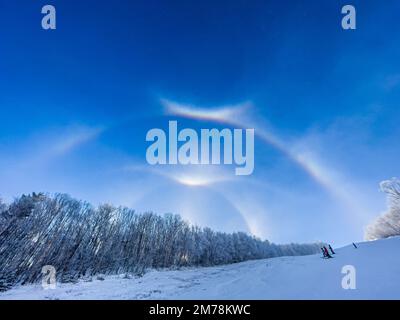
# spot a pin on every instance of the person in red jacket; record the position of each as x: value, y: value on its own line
x: 327, y: 253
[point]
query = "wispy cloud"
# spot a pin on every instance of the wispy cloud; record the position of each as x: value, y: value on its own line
x: 57, y: 142
x: 74, y: 137
x: 24, y: 165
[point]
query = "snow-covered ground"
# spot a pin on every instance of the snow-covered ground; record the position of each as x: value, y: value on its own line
x: 377, y: 267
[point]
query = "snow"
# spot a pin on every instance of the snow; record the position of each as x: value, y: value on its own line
x: 377, y: 265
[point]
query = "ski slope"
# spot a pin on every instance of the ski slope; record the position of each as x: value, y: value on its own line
x: 377, y: 266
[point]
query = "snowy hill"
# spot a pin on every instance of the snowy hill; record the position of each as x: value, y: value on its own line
x: 377, y: 265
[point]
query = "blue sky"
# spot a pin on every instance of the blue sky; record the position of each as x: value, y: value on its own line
x: 77, y: 102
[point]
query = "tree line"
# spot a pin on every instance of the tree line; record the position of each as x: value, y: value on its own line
x: 81, y: 240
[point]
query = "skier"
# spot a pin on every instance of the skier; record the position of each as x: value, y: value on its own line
x: 327, y: 253
x: 330, y: 248
x: 323, y: 252
x: 354, y: 245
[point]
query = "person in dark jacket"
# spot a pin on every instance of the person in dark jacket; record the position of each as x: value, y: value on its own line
x: 330, y: 248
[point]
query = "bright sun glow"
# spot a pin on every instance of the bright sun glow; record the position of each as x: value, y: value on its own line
x: 194, y: 181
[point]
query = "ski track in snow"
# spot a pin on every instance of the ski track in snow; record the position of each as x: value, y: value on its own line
x: 377, y: 266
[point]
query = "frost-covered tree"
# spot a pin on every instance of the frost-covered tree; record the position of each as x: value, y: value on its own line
x: 4, y: 216
x: 3, y: 207
x: 388, y: 224
x: 81, y: 240
x: 23, y: 206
